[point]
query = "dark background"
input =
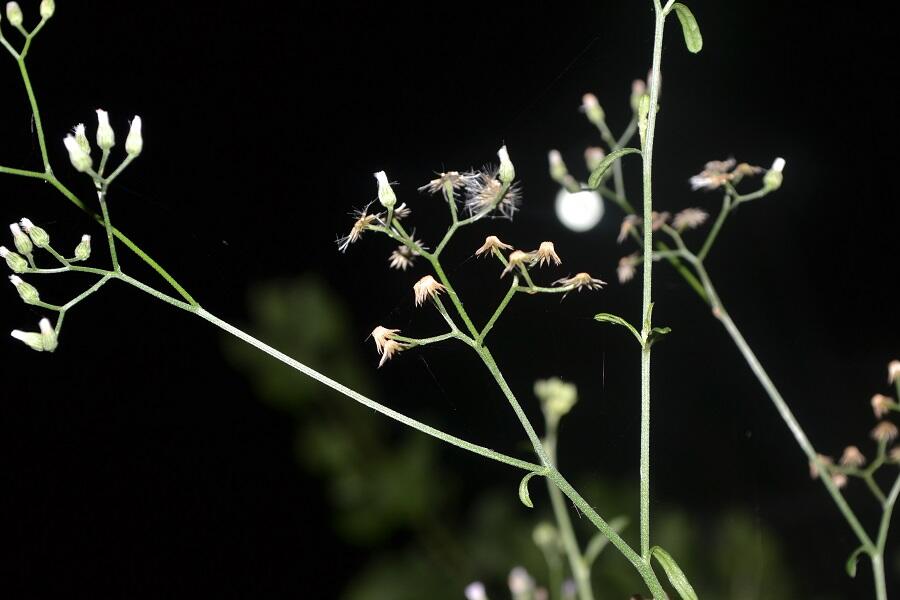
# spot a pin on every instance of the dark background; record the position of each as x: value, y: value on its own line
x: 136, y: 462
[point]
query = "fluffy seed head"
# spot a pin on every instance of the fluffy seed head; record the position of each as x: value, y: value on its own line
x: 852, y: 457
x: 689, y: 218
x: 881, y: 405
x: 893, y: 371
x: 385, y: 343
x: 885, y: 431
x: 425, y: 288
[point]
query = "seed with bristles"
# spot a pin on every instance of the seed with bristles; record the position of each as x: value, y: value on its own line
x: 491, y: 243
x: 425, y: 288
x: 881, y: 405
x: 825, y: 461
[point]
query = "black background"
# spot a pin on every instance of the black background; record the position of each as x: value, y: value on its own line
x: 135, y: 463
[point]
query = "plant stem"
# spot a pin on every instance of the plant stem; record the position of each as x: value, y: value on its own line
x: 107, y: 225
x: 36, y: 113
x: 577, y: 564
x: 647, y: 156
x: 723, y: 214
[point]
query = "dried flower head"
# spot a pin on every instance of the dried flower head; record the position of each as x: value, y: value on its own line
x: 718, y: 172
x: 547, y: 253
x: 557, y: 397
x: 452, y: 178
x: 839, y: 480
x: 628, y: 224
x: 885, y: 431
x: 881, y: 405
x: 402, y: 258
x: 658, y: 219
x: 520, y: 582
x: 825, y: 461
x: 363, y: 221
x: 852, y: 457
x: 581, y: 281
x: 626, y: 269
x: 484, y: 193
x: 425, y: 287
x: 690, y: 218
x: 893, y: 371
x: 402, y: 211
x: 385, y: 343
x: 491, y: 243
x: 517, y: 259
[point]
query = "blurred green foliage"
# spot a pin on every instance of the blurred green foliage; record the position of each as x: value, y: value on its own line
x: 387, y: 483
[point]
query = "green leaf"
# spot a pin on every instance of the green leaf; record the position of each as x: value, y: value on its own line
x: 692, y: 38
x: 656, y: 334
x: 524, y: 496
x: 597, y: 176
x: 854, y: 558
x: 617, y: 320
x: 676, y: 576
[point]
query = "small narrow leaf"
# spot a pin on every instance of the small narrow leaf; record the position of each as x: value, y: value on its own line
x: 597, y: 176
x: 854, y: 558
x: 657, y: 333
x: 692, y: 38
x: 524, y: 496
x: 617, y: 320
x: 676, y: 576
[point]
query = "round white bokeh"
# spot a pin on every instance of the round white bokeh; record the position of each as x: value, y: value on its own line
x: 580, y: 211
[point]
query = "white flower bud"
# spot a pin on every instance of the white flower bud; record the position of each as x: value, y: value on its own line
x: 27, y: 292
x: 476, y: 591
x: 14, y: 14
x: 48, y: 7
x: 80, y: 159
x: 29, y: 338
x: 507, y: 171
x: 38, y: 235
x: 81, y: 138
x: 106, y: 137
x: 16, y: 263
x: 592, y: 109
x: 48, y: 335
x: 134, y: 143
x: 21, y: 240
x: 386, y: 194
x: 773, y: 178
x: 83, y: 249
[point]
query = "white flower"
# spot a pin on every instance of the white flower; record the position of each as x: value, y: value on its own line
x: 476, y: 591
x: 893, y: 371
x: 881, y: 405
x: 80, y: 159
x: 885, y: 431
x: 506, y: 172
x: 626, y: 269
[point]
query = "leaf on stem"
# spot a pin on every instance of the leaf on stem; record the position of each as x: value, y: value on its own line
x: 656, y: 334
x: 524, y: 496
x: 597, y: 176
x: 692, y: 38
x: 852, y: 561
x: 617, y: 320
x: 676, y: 576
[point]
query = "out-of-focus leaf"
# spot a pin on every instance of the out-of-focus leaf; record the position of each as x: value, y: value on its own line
x: 854, y: 558
x: 676, y: 576
x: 597, y: 176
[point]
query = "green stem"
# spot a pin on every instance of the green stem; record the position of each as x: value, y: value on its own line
x: 787, y: 416
x: 108, y: 226
x: 331, y: 383
x: 500, y: 308
x: 577, y: 564
x: 647, y: 156
x: 36, y: 113
x: 723, y: 214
